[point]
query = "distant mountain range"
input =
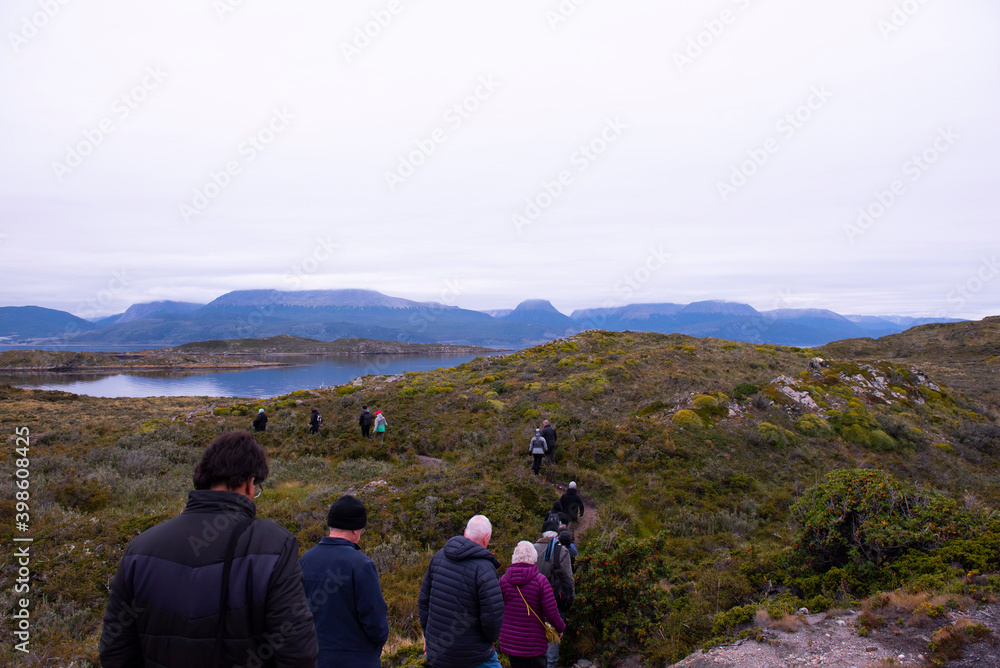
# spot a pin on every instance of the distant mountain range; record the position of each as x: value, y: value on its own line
x: 327, y: 315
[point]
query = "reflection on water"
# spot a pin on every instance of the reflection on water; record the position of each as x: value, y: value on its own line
x: 310, y: 372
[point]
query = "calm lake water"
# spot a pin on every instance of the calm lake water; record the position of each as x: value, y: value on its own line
x: 311, y: 372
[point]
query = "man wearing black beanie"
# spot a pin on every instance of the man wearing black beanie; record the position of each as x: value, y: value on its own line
x: 344, y: 592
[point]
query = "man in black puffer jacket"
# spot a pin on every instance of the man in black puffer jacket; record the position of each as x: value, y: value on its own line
x: 171, y: 604
x: 572, y: 503
x: 460, y: 603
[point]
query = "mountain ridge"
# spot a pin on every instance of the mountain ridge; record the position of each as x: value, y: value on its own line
x: 354, y: 313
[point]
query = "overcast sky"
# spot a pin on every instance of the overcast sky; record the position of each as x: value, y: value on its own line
x: 478, y: 154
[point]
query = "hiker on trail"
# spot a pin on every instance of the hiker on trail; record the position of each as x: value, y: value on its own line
x: 537, y: 448
x: 528, y: 600
x: 344, y: 592
x: 558, y: 514
x: 213, y: 586
x: 260, y: 422
x: 365, y: 420
x: 554, y: 563
x: 549, y: 434
x: 460, y: 604
x: 572, y: 503
x: 315, y: 420
x: 380, y: 425
x: 566, y: 540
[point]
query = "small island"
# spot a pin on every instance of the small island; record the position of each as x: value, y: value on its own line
x: 222, y: 354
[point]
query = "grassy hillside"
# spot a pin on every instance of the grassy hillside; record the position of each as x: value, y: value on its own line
x: 693, y: 450
x: 965, y: 355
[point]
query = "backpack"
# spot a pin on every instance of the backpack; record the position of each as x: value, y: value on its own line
x: 552, y: 515
x: 564, y: 596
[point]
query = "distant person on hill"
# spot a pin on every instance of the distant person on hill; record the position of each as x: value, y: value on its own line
x: 365, y: 420
x: 528, y: 600
x: 260, y: 422
x: 549, y: 434
x: 460, y: 603
x: 315, y: 420
x: 555, y: 564
x: 572, y: 504
x: 344, y: 592
x: 380, y: 425
x: 215, y: 585
x: 537, y: 448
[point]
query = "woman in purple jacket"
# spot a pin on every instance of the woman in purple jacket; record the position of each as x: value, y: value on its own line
x: 527, y: 599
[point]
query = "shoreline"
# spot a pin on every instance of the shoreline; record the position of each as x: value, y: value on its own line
x: 40, y: 362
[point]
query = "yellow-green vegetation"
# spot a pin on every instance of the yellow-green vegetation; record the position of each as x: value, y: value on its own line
x: 811, y: 424
x: 693, y: 455
x: 687, y: 420
x: 705, y: 401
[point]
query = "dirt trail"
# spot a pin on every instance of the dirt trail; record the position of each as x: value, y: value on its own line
x: 591, y: 517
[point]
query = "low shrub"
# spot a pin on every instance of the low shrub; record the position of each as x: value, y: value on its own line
x: 705, y: 401
x: 618, y: 600
x: 651, y: 408
x: 881, y: 441
x: 86, y: 495
x: 688, y: 420
x: 813, y: 425
x: 774, y: 435
x: 856, y: 434
x: 867, y: 517
x: 947, y: 644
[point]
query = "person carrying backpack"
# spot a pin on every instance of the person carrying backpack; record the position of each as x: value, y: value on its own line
x: 315, y: 420
x: 566, y: 540
x: 554, y: 563
x: 380, y: 425
x: 537, y: 448
x: 365, y: 420
x: 572, y: 503
x: 260, y: 422
x: 549, y: 434
x: 558, y: 514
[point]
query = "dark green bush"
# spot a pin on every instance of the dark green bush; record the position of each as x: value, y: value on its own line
x: 865, y: 516
x: 618, y: 601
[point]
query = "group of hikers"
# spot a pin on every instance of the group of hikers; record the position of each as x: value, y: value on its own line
x: 366, y: 420
x: 543, y: 444
x: 215, y: 586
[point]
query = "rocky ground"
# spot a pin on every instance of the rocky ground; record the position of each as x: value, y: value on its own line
x: 831, y: 640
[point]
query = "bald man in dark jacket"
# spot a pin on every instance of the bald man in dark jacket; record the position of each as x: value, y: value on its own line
x: 462, y: 580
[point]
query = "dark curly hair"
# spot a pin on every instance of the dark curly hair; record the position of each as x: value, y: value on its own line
x: 232, y: 458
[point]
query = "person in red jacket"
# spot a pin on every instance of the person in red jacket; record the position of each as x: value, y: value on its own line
x: 527, y: 599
